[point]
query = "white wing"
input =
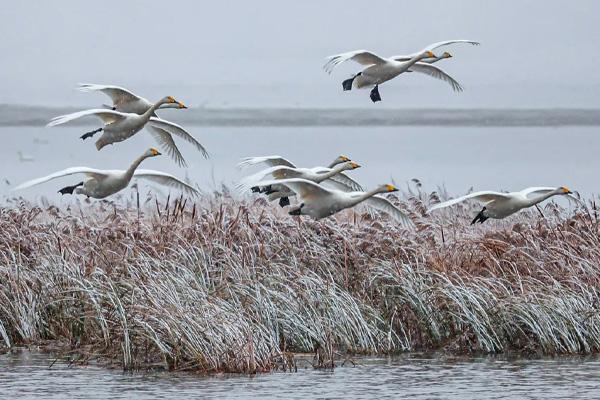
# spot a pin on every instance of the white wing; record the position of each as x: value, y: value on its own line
x: 166, y: 142
x: 303, y: 188
x: 271, y: 161
x: 177, y: 130
x: 536, y: 190
x: 65, y: 172
x: 484, y: 197
x: 436, y: 73
x: 341, y: 181
x: 117, y: 94
x: 277, y: 172
x: 383, y: 204
x: 107, y: 116
x: 165, y: 179
x: 362, y: 57
x: 432, y: 47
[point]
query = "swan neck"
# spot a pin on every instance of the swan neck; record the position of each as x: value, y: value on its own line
x: 367, y: 195
x: 136, y: 163
x: 538, y: 199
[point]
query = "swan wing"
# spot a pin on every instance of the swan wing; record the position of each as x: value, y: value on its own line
x: 484, y: 197
x: 382, y: 204
x: 177, y: 130
x: 436, y: 73
x: 277, y: 172
x: 107, y: 116
x: 349, y: 183
x: 271, y: 161
x: 433, y: 46
x: 165, y: 179
x: 91, y: 172
x: 117, y: 94
x: 362, y: 57
x: 305, y: 189
x: 166, y: 142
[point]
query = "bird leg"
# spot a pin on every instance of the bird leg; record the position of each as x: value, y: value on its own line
x: 255, y: 189
x: 90, y: 134
x: 480, y: 217
x: 297, y: 211
x: 284, y: 201
x: 375, y: 97
x: 69, y: 189
x: 347, y: 84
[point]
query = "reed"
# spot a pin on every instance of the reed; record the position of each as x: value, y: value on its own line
x: 229, y: 284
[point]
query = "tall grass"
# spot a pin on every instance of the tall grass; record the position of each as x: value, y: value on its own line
x: 237, y: 285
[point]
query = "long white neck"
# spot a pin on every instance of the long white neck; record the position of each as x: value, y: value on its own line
x: 334, y: 171
x: 414, y: 60
x: 366, y: 195
x: 150, y: 112
x: 136, y: 163
x: 538, y: 199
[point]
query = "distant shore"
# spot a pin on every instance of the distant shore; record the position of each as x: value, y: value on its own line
x: 22, y: 115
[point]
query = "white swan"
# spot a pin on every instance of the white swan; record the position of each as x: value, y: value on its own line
x: 119, y: 126
x: 320, y: 202
x: 432, y: 47
x: 380, y: 70
x: 102, y: 183
x: 499, y: 205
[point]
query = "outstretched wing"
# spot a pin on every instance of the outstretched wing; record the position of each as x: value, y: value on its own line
x: 340, y: 180
x: 107, y: 116
x: 536, y: 190
x: 484, y: 197
x: 436, y: 73
x: 97, y: 173
x: 166, y: 142
x: 362, y: 57
x: 177, y: 130
x: 278, y: 172
x: 271, y: 161
x: 383, y: 204
x: 165, y: 179
x: 303, y: 188
x: 433, y: 46
x: 117, y: 94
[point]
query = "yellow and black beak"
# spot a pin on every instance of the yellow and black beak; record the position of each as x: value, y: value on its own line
x: 181, y: 105
x: 391, y: 188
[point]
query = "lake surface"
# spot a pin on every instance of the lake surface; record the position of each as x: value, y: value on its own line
x: 459, y: 158
x: 27, y: 375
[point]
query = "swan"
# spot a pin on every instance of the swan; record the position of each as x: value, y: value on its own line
x: 119, y: 126
x: 432, y: 47
x: 332, y: 176
x: 102, y: 183
x: 499, y: 205
x: 320, y: 202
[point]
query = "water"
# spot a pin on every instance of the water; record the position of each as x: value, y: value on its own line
x: 458, y: 158
x: 27, y: 375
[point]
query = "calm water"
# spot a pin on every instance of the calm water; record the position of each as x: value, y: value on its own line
x: 27, y: 375
x: 457, y: 157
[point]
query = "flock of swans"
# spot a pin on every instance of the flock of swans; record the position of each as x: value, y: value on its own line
x: 319, y: 191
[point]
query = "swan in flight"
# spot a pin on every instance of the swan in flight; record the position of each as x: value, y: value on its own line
x: 380, y: 69
x: 119, y: 126
x: 499, y: 205
x: 319, y: 202
x: 102, y: 183
x: 332, y: 177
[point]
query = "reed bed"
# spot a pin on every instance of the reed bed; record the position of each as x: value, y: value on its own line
x: 229, y: 284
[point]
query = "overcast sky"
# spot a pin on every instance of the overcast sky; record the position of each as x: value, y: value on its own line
x: 270, y: 53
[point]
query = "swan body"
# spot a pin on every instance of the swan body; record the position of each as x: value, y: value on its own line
x: 319, y: 202
x: 499, y: 205
x: 103, y: 183
x: 379, y: 70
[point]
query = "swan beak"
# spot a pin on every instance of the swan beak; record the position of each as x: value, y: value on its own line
x: 566, y: 190
x: 354, y: 165
x: 155, y: 152
x: 391, y: 188
x: 344, y: 158
x: 181, y: 105
x: 430, y: 54
x: 447, y: 55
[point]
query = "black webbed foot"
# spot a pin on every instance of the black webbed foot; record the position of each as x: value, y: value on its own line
x: 284, y: 201
x: 90, y: 134
x: 481, y: 218
x: 297, y: 211
x: 69, y: 189
x: 375, y: 97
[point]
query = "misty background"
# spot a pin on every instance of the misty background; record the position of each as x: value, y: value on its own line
x: 269, y: 53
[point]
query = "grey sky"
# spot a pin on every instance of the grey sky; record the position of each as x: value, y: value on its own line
x: 253, y: 53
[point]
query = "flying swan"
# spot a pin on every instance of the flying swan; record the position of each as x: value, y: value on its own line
x: 102, y: 183
x: 380, y: 70
x: 320, y: 202
x: 119, y: 126
x: 499, y: 205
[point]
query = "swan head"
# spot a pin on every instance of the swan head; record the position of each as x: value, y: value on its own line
x: 390, y: 188
x: 170, y: 102
x: 428, y: 54
x: 446, y: 55
x: 564, y: 190
x: 152, y: 152
x: 352, y: 165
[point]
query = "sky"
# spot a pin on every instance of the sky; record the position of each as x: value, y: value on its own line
x: 269, y: 53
